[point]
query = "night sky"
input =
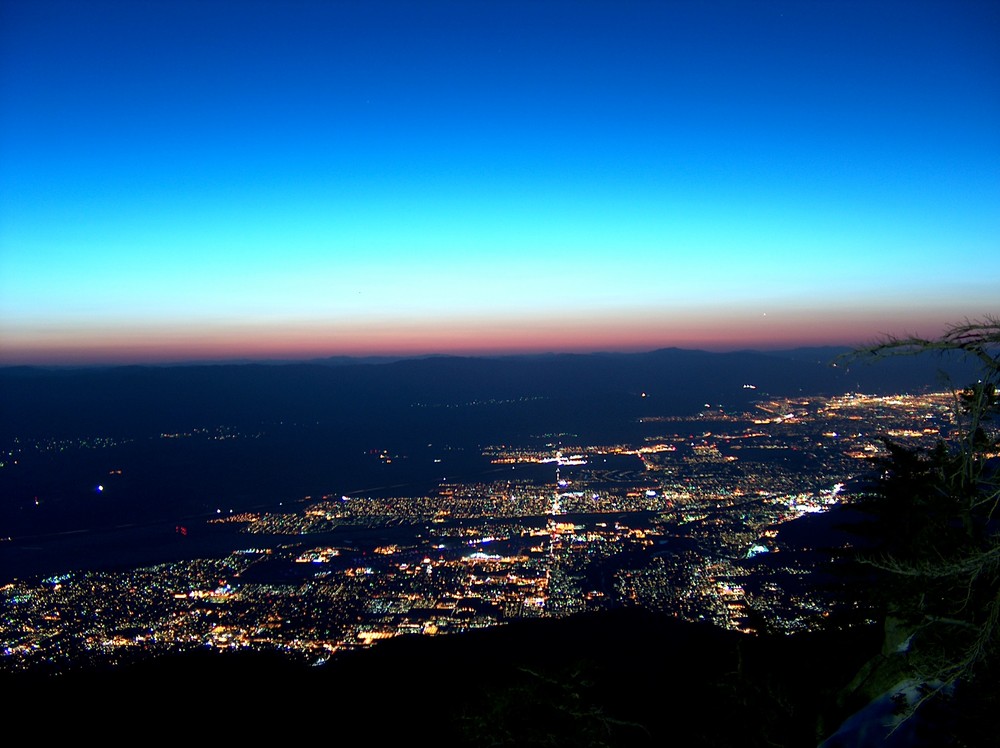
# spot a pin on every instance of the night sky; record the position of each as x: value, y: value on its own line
x: 206, y: 180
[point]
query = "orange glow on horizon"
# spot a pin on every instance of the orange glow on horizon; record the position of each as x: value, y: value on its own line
x: 300, y: 341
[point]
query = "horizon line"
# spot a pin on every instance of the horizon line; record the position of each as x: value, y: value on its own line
x: 388, y: 358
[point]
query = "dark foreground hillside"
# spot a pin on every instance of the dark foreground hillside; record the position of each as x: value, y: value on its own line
x: 624, y: 678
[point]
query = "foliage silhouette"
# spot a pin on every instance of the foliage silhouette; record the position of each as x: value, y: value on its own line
x: 939, y: 564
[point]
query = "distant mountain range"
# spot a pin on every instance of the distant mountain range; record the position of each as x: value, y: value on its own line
x: 124, y: 399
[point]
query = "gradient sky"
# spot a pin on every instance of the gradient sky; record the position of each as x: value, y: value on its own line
x: 205, y: 180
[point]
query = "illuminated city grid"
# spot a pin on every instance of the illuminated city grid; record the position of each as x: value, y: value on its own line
x: 686, y: 523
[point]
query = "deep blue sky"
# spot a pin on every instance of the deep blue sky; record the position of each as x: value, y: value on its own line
x: 212, y: 179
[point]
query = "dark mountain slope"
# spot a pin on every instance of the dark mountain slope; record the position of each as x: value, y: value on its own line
x: 626, y: 678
